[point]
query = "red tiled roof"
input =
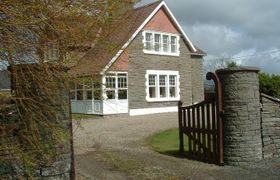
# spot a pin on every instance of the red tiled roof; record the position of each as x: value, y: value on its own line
x: 95, y: 60
x: 98, y: 57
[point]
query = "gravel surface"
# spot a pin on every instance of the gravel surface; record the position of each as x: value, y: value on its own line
x: 114, y: 148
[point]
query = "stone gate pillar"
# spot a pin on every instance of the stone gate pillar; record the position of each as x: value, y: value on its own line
x: 242, y: 130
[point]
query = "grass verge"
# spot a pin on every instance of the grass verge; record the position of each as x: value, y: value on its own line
x: 83, y: 116
x: 166, y: 142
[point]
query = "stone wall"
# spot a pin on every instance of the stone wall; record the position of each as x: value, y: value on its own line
x: 140, y: 62
x: 270, y: 126
x: 43, y: 105
x: 251, y: 120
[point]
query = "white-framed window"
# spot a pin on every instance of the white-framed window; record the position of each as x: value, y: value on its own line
x: 161, y: 43
x: 162, y: 85
x: 116, y: 86
x: 85, y: 90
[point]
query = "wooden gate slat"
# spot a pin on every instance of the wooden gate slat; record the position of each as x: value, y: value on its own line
x: 193, y: 132
x: 189, y: 125
x: 203, y: 128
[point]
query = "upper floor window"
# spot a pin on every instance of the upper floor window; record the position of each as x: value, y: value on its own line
x: 161, y: 43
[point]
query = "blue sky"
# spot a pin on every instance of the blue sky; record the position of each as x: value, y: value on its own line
x: 247, y: 31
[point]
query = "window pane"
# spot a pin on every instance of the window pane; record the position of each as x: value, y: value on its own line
x: 148, y: 44
x: 110, y: 82
x: 152, y: 92
x: 157, y: 42
x: 162, y: 80
x: 162, y: 92
x: 172, y: 92
x: 165, y: 43
x: 110, y: 94
x: 79, y: 95
x: 152, y: 80
x: 122, y: 94
x: 88, y: 85
x: 148, y: 36
x: 122, y: 82
x: 97, y: 94
x: 89, y: 95
x: 172, y: 80
x: 72, y: 85
x: 72, y: 95
x: 173, y: 44
x: 80, y: 85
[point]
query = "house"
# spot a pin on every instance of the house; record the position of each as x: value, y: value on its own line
x: 152, y: 66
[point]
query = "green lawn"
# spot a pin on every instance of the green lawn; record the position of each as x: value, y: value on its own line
x: 83, y: 116
x: 167, y: 142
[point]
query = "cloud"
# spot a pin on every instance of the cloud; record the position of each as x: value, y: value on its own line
x: 232, y: 28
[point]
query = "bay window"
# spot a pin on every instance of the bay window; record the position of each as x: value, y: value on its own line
x: 162, y: 85
x: 85, y: 90
x: 116, y: 86
x: 110, y: 87
x: 161, y: 43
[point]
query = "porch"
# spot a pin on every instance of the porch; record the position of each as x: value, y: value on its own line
x: 103, y: 95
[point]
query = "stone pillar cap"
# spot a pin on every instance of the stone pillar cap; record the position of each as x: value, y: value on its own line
x: 237, y: 69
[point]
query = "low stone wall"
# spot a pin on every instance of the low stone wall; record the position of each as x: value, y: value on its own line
x: 38, y: 108
x: 270, y: 126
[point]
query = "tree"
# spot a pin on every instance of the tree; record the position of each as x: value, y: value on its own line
x: 38, y: 39
x: 270, y: 84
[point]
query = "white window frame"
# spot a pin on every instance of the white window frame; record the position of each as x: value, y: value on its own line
x: 116, y: 88
x: 161, y: 49
x: 167, y: 73
x: 84, y: 91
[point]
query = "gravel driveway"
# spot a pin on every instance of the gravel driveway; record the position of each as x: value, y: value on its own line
x: 115, y: 148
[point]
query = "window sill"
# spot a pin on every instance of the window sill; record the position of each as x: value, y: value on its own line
x: 161, y: 99
x: 161, y: 53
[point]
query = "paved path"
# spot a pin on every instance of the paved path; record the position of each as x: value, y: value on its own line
x: 115, y: 148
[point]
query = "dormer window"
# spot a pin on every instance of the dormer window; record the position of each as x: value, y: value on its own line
x: 161, y: 43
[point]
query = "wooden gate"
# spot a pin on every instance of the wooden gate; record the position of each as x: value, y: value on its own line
x: 202, y: 124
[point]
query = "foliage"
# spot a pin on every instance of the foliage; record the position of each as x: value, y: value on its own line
x: 270, y: 84
x: 33, y: 129
x: 232, y: 64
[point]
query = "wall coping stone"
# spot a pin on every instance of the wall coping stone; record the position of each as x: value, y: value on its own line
x: 270, y: 98
x: 237, y: 69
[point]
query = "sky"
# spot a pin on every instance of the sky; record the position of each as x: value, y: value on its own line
x: 244, y: 31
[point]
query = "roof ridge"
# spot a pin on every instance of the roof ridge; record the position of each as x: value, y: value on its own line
x: 147, y: 5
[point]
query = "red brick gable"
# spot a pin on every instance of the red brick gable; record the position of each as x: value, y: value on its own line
x: 121, y: 63
x: 161, y: 22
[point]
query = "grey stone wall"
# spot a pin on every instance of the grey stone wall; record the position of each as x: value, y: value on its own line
x: 140, y: 62
x: 50, y: 100
x: 270, y: 126
x: 197, y: 79
x: 242, y: 135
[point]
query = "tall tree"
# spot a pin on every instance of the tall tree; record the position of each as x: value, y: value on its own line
x: 49, y: 34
